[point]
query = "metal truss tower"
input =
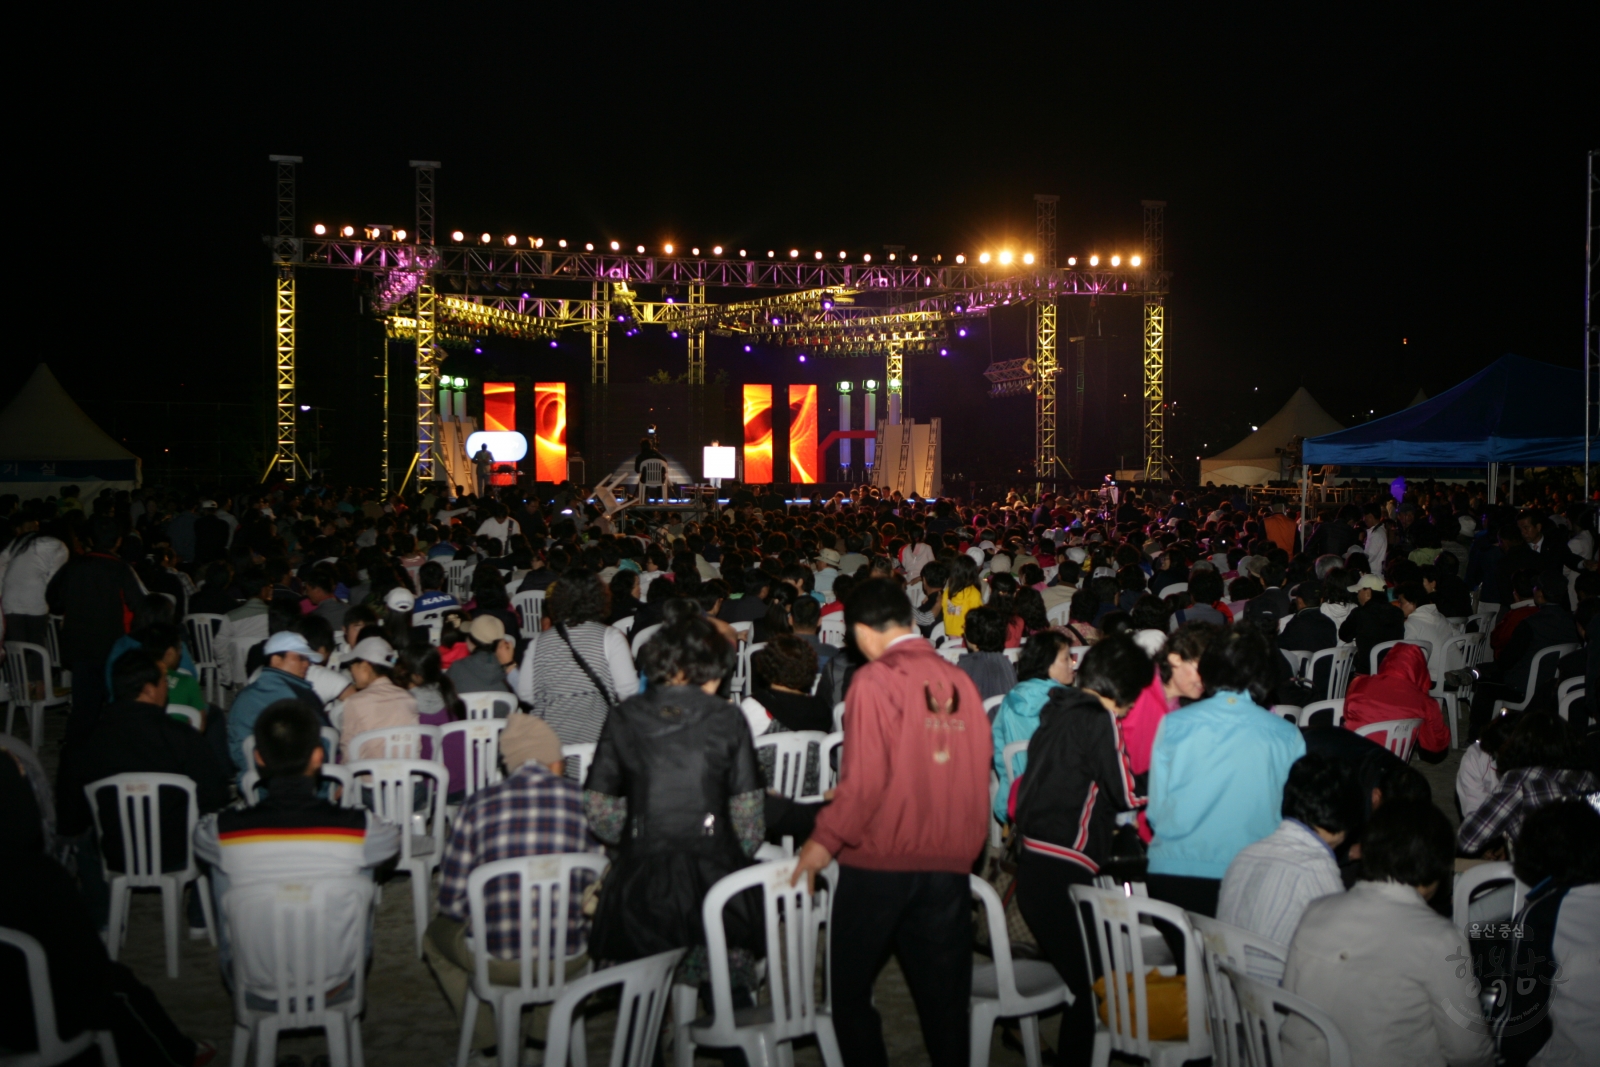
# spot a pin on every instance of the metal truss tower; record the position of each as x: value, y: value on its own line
x: 427, y: 324
x: 895, y: 380
x: 1046, y: 458
x: 285, y: 254
x: 1155, y: 344
x: 697, y: 337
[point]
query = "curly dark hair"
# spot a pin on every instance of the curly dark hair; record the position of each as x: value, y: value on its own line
x: 1039, y: 653
x: 788, y: 661
x: 577, y: 596
x: 691, y: 647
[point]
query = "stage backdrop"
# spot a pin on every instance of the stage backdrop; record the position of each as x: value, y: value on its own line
x: 499, y: 405
x: 550, y: 431
x: 758, y: 434
x: 803, y: 434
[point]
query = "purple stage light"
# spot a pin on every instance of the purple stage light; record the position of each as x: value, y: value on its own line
x: 961, y: 332
x: 747, y: 348
x: 553, y: 344
x: 674, y: 335
x: 478, y: 350
x: 802, y: 357
x: 944, y: 351
x: 776, y: 321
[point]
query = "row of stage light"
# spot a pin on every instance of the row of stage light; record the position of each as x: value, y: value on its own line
x: 1003, y: 258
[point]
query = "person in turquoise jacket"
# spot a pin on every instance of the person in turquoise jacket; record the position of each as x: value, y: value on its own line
x: 1045, y: 663
x: 1217, y: 772
x: 283, y: 678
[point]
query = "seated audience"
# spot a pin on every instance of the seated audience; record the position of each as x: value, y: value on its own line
x: 1176, y: 678
x: 1537, y: 766
x: 1476, y: 776
x: 784, y: 671
x: 493, y: 653
x: 1400, y: 691
x: 985, y: 659
x: 1424, y: 622
x: 1045, y: 666
x: 289, y: 658
x: 377, y: 703
x: 1372, y: 621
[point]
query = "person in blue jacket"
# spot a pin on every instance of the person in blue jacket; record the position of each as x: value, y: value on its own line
x: 289, y: 657
x: 1045, y: 664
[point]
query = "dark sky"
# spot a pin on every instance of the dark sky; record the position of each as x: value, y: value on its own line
x: 1362, y: 205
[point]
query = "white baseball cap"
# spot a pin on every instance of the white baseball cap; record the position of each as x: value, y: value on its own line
x: 374, y: 650
x: 399, y: 599
x: 287, y: 641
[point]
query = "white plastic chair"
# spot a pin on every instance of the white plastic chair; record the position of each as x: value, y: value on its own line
x: 743, y: 681
x: 1568, y: 693
x: 791, y: 1010
x: 1399, y: 735
x: 640, y: 1007
x: 1115, y: 929
x: 1257, y: 956
x: 455, y: 572
x: 1013, y: 654
x: 295, y: 929
x: 838, y: 718
x: 1174, y: 589
x: 644, y: 635
x: 52, y: 1048
x: 1535, y: 669
x: 184, y: 712
x: 577, y: 759
x: 831, y: 752
x: 27, y: 675
x: 1059, y: 615
x: 993, y: 702
x: 489, y: 704
x: 389, y: 785
x: 480, y: 755
x: 1077, y: 652
x: 791, y: 753
x: 529, y: 606
x: 399, y: 742
x: 1008, y: 988
x: 1264, y: 1009
x: 138, y: 826
x: 1009, y: 754
x: 542, y: 952
x: 202, y: 629
x: 831, y: 629
x: 1458, y: 652
x: 652, y: 475
x: 1297, y: 660
x: 1051, y: 571
x: 1479, y: 881
x: 1344, y: 665
x: 1304, y: 718
x: 433, y: 619
x: 1382, y: 648
x: 953, y: 650
x: 936, y: 636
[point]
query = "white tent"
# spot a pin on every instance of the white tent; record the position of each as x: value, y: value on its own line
x: 47, y: 442
x: 1258, y: 458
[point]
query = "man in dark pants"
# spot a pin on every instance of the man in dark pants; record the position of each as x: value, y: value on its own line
x: 96, y: 594
x: 907, y: 821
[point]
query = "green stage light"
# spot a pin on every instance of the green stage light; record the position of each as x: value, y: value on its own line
x: 845, y: 387
x: 870, y: 385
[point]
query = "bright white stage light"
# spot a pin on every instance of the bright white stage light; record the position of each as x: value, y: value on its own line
x: 793, y: 253
x: 983, y: 257
x: 1072, y: 261
x: 667, y: 249
x: 961, y: 259
x: 457, y: 235
x: 538, y: 242
x: 1133, y: 261
x: 1005, y: 259
x: 483, y: 238
x: 319, y: 229
x: 1094, y: 261
x: 1027, y: 257
x: 506, y: 446
x: 616, y: 246
x: 511, y: 239
x: 717, y: 250
x: 399, y: 235
x: 348, y: 231
x: 1116, y: 261
x: 588, y: 246
x: 640, y: 249
x: 868, y: 257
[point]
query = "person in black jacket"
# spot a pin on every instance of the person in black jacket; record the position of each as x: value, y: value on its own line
x: 1373, y: 621
x: 1075, y: 781
x: 96, y: 594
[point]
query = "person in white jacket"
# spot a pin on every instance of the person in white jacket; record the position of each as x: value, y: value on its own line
x: 26, y: 566
x: 1424, y: 623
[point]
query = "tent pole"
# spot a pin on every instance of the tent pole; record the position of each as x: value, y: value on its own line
x: 1305, y: 488
x: 1494, y: 481
x: 1511, y: 487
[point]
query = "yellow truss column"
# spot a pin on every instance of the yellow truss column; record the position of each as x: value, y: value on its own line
x: 1044, y: 386
x: 895, y: 380
x: 288, y: 407
x: 697, y: 337
x: 427, y: 383
x: 1155, y: 376
x: 600, y: 336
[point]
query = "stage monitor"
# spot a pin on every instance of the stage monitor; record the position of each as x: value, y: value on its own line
x: 720, y: 461
x: 757, y: 434
x: 506, y: 446
x: 550, y: 431
x: 499, y: 406
x: 803, y: 434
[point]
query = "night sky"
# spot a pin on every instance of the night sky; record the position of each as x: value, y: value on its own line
x: 1363, y: 206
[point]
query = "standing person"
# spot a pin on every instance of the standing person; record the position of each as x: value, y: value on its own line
x: 575, y: 672
x: 482, y: 465
x: 907, y: 821
x: 97, y: 594
x: 26, y: 566
x: 1376, y: 545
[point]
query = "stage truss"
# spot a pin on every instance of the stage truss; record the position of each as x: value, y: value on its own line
x: 426, y: 292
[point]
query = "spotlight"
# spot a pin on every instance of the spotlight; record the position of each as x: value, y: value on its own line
x: 588, y: 246
x: 1005, y: 258
x: 674, y: 335
x: 1133, y: 261
x: 894, y: 383
x: 1072, y: 261
x: 770, y: 253
x: 717, y: 250
x: 741, y: 253
x: 348, y: 231
x: 305, y: 407
x: 842, y: 255
x: 1094, y: 261
x: 640, y: 249
x: 1027, y: 257
x: 668, y: 250
x: 457, y: 235
x: 913, y: 257
x: 776, y: 321
x: 844, y: 387
x: 399, y: 235
x: 819, y: 256
x: 483, y: 238
x: 319, y: 229
x: 944, y: 351
x: 868, y: 257
x: 561, y: 243
x: 870, y: 385
x: 747, y: 348
x: 794, y: 253
x: 538, y: 242
x: 554, y: 343
x: 983, y: 258
x: 1116, y: 261
x: 616, y: 246
x: 961, y: 332
x: 511, y: 239
x: 961, y: 259
x: 802, y: 357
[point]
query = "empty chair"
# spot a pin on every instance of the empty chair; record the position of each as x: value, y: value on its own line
x: 489, y: 704
x: 544, y: 883
x: 529, y: 606
x: 299, y: 963
x: 791, y: 758
x: 28, y: 680
x: 479, y: 740
x: 202, y: 630
x: 391, y: 788
x: 137, y: 856
x: 576, y: 760
x: 399, y: 742
x: 1310, y: 715
x: 1544, y: 662
x: 1396, y: 735
x: 1008, y: 988
x: 652, y: 480
x: 640, y: 1007
x: 50, y: 1048
x: 1264, y: 1009
x: 1257, y: 956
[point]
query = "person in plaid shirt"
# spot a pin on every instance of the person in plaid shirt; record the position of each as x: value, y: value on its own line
x: 1535, y: 770
x: 534, y: 811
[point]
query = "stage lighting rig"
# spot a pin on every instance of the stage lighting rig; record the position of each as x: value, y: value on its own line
x: 1011, y: 377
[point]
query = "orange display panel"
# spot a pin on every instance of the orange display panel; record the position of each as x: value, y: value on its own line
x: 550, y: 431
x: 758, y: 433
x: 803, y: 434
x: 499, y: 406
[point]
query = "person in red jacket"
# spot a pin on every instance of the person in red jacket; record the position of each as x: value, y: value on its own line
x: 1400, y: 691
x: 906, y: 823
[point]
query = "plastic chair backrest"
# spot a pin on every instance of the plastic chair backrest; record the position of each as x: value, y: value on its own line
x: 831, y: 753
x: 433, y: 619
x: 1454, y: 653
x: 937, y: 634
x: 1173, y: 590
x: 480, y: 751
x: 1260, y: 1005
x: 391, y: 784
x: 952, y: 651
x: 1297, y: 660
x: 742, y: 672
x: 644, y: 635
x: 1543, y: 660
x: 541, y: 926
x: 1051, y: 571
x: 1013, y: 654
x: 1317, y: 706
x: 640, y: 1006
x: 1059, y: 615
x: 456, y: 577
x: 139, y: 823
x: 52, y: 1048
x: 529, y: 606
x: 994, y: 912
x: 1115, y: 930
x: 1344, y: 666
x: 791, y: 754
x: 487, y: 704
x: 399, y: 742
x: 652, y: 472
x: 991, y: 703
x: 831, y: 630
x: 1077, y: 652
x: 791, y: 952
x: 1475, y: 878
x: 1255, y: 955
x: 1398, y: 734
x: 202, y: 630
x: 838, y: 717
x: 1567, y: 694
x: 1009, y: 755
x: 52, y: 638
x: 1379, y: 650
x: 577, y: 759
x: 291, y: 926
x: 184, y: 712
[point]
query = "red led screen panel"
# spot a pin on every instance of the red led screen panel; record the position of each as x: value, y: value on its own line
x: 499, y: 406
x: 803, y: 434
x: 550, y: 431
x: 758, y: 433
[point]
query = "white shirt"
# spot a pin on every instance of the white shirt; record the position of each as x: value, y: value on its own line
x: 1376, y: 547
x: 498, y: 528
x: 1269, y: 883
x: 1575, y: 1001
x: 1426, y: 624
x: 1475, y: 778
x: 1390, y: 972
x: 25, y: 576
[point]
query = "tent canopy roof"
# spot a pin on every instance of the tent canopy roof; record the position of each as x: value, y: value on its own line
x: 1515, y: 410
x: 43, y: 423
x: 1302, y: 416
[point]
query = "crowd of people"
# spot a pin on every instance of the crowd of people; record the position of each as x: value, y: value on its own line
x: 1135, y: 643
